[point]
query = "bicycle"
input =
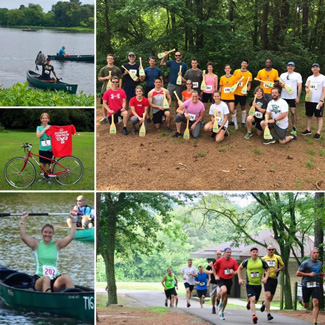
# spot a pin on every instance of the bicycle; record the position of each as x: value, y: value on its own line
x: 21, y: 173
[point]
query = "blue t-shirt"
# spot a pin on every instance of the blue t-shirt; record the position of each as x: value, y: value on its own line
x: 127, y: 80
x: 61, y: 52
x: 151, y: 75
x: 174, y: 70
x: 309, y: 266
x: 84, y: 210
x: 203, y: 279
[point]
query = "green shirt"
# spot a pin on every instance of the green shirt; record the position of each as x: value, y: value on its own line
x: 45, y: 143
x: 254, y: 270
x: 170, y: 281
x: 104, y: 72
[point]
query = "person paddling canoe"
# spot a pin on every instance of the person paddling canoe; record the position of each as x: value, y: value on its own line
x: 47, y: 68
x: 46, y: 253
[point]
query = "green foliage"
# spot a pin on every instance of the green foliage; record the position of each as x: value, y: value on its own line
x: 257, y: 151
x: 322, y: 152
x: 202, y: 153
x: 310, y: 164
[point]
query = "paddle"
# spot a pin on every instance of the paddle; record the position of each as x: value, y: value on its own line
x: 10, y: 214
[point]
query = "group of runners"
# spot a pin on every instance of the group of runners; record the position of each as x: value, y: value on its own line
x: 219, y: 274
x: 274, y: 96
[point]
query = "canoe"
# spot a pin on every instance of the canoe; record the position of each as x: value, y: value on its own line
x: 82, y: 58
x: 16, y: 291
x: 85, y: 234
x: 34, y: 79
x: 29, y: 30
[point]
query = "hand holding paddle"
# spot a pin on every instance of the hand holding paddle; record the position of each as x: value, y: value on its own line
x: 252, y: 109
x: 267, y: 133
x: 244, y: 90
x: 142, y: 131
x: 215, y: 123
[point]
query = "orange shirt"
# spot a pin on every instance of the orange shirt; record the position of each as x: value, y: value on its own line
x: 238, y: 74
x: 186, y: 95
x: 226, y: 83
x: 272, y: 76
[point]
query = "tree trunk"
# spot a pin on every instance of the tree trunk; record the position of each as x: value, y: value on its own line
x: 98, y: 197
x: 199, y: 35
x: 285, y: 254
x: 305, y: 13
x: 256, y: 24
x: 276, y: 25
x: 108, y: 42
x: 264, y: 37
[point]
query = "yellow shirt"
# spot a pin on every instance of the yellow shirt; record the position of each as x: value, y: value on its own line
x: 226, y: 83
x: 273, y: 262
x: 238, y: 74
x: 272, y: 76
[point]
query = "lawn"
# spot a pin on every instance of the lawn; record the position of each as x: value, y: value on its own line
x: 83, y: 148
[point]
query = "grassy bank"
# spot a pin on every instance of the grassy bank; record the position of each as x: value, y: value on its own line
x: 67, y: 29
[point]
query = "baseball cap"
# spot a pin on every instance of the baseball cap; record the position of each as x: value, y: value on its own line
x: 131, y: 54
x: 291, y: 63
x: 254, y: 249
x: 315, y: 65
x: 226, y: 249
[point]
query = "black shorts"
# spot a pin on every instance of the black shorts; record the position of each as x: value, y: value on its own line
x: 271, y: 285
x: 278, y: 133
x: 116, y: 115
x: 187, y: 285
x: 228, y: 100
x: 201, y: 293
x: 157, y: 117
x: 307, y: 292
x: 47, y: 154
x: 36, y: 277
x: 291, y: 102
x: 257, y: 123
x: 253, y: 291
x: 130, y: 92
x: 206, y: 98
x: 170, y: 292
x: 225, y: 282
x: 311, y: 109
x: 241, y: 100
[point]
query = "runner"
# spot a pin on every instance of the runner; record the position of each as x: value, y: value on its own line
x: 268, y: 74
x: 276, y: 265
x: 192, y: 110
x: 239, y: 97
x: 213, y: 287
x: 316, y: 105
x: 168, y: 282
x: 222, y: 113
x: 277, y: 110
x: 211, y: 81
x: 260, y: 109
x: 254, y: 273
x: 311, y: 272
x: 104, y: 77
x: 195, y: 75
x: 227, y: 96
x: 224, y: 270
x: 202, y: 282
x: 187, y: 93
x: 294, y: 80
x: 156, y: 99
x: 188, y: 274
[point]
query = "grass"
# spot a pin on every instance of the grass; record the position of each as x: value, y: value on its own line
x: 311, y: 152
x: 222, y: 149
x: 299, y: 184
x: 310, y: 164
x: 309, y: 140
x: 83, y: 148
x: 257, y: 151
x: 202, y: 153
x: 322, y: 152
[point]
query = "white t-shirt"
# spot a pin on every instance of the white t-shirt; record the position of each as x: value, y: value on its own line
x: 292, y: 79
x: 221, y: 109
x: 316, y: 87
x: 190, y: 279
x: 276, y: 108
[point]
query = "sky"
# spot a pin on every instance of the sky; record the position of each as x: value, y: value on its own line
x: 45, y: 4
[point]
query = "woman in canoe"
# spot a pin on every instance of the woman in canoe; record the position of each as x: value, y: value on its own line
x: 46, y: 253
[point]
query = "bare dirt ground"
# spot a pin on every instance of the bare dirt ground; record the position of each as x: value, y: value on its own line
x: 305, y: 315
x: 159, y: 162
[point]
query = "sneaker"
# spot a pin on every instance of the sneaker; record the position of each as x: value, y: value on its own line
x: 213, y: 310
x: 317, y: 136
x: 125, y: 131
x: 188, y: 305
x: 42, y: 179
x: 269, y: 317
x: 243, y: 124
x: 220, y: 306
x: 248, y: 306
x: 227, y: 134
x: 213, y: 135
x: 268, y: 141
x: 255, y: 319
x: 133, y: 130
x: 169, y: 129
x: 306, y: 132
x: 177, y: 135
x: 248, y: 135
x: 293, y: 137
x: 293, y: 131
x: 222, y: 315
x: 166, y: 305
x: 49, y: 181
x: 103, y: 120
x: 231, y: 123
x: 236, y: 126
x: 262, y: 307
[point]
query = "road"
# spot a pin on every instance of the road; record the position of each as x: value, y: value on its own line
x: 233, y: 316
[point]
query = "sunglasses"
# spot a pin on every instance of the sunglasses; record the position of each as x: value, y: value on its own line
x: 114, y: 82
x: 79, y: 200
x: 270, y: 249
x: 188, y: 83
x: 178, y: 55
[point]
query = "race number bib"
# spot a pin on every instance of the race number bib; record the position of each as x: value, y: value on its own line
x: 313, y: 86
x: 227, y: 90
x: 312, y: 284
x: 50, y: 271
x: 255, y: 274
x: 271, y: 263
x: 240, y: 84
x: 228, y: 271
x: 46, y: 143
x: 209, y: 88
x: 47, y: 71
x: 266, y: 86
x: 133, y: 71
x: 171, y: 281
x: 258, y: 114
x: 195, y: 84
x: 192, y: 117
x: 218, y: 119
x: 202, y: 284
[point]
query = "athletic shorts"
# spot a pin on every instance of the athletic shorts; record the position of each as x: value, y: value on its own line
x: 116, y: 115
x: 291, y: 102
x: 170, y: 292
x: 36, y: 277
x: 253, y: 291
x: 228, y: 100
x: 307, y: 292
x: 227, y: 283
x: 241, y: 100
x: 278, y: 132
x: 157, y: 117
x: 213, y: 289
x: 130, y: 92
x: 206, y: 98
x: 47, y: 154
x: 201, y: 293
x: 187, y: 285
x: 311, y: 109
x: 257, y: 123
x: 271, y: 285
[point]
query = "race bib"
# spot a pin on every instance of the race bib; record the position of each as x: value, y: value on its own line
x: 312, y: 284
x: 228, y: 271
x: 227, y: 90
x: 209, y: 88
x: 195, y: 84
x: 171, y: 281
x: 266, y: 86
x: 258, y: 114
x: 133, y: 71
x: 271, y: 263
x: 202, y: 284
x: 192, y: 117
x: 50, y: 271
x: 313, y: 86
x: 240, y: 84
x: 255, y: 274
x: 47, y: 71
x: 218, y: 118
x: 46, y: 143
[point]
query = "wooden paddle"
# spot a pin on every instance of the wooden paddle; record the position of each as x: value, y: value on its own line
x: 186, y: 135
x: 267, y: 133
x: 252, y: 109
x: 215, y: 123
x: 142, y: 132
x: 112, y: 128
x: 33, y: 214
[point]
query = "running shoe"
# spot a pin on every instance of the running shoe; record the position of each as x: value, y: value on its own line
x: 177, y: 135
x: 294, y: 137
x: 220, y: 306
x: 231, y: 123
x: 255, y: 319
x: 248, y: 135
x: 42, y: 179
x: 294, y: 132
x: 166, y: 305
x: 306, y: 132
x: 213, y: 310
x: 49, y: 181
x: 133, y: 130
x: 125, y: 131
x: 317, y: 136
x: 188, y: 305
x: 103, y: 120
x: 269, y: 317
x: 268, y: 141
x: 248, y: 306
x: 213, y: 135
x: 227, y: 134
x: 262, y: 307
x: 222, y: 315
x: 236, y: 126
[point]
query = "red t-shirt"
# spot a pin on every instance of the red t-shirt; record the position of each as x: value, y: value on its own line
x: 223, y: 266
x: 61, y: 139
x: 114, y: 99
x: 139, y: 106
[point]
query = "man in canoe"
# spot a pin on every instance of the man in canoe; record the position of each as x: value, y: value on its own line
x: 46, y: 71
x: 46, y: 253
x: 63, y: 52
x: 83, y: 214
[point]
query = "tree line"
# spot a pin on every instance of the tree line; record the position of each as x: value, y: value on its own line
x: 63, y: 14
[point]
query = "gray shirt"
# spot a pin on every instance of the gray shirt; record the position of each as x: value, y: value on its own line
x: 309, y: 266
x: 190, y: 279
x: 195, y: 76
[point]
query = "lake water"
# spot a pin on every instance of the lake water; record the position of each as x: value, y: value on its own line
x: 77, y: 258
x: 19, y: 50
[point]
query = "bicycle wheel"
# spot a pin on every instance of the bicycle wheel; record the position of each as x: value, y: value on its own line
x: 17, y: 178
x: 74, y: 171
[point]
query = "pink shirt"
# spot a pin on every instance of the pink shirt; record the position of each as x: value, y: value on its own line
x: 194, y: 109
x: 210, y: 83
x: 114, y: 99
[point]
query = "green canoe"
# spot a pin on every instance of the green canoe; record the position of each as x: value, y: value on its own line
x: 85, y: 234
x: 34, y: 79
x: 79, y: 58
x: 16, y: 291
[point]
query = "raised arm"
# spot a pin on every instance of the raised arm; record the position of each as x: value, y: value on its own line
x: 29, y: 241
x: 61, y: 243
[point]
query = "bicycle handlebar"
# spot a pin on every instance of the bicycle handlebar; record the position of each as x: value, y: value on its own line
x: 27, y: 145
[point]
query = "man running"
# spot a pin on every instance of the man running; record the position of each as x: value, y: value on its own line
x: 224, y: 270
x: 168, y: 282
x: 202, y: 282
x: 276, y: 265
x: 195, y: 75
x: 254, y: 277
x: 268, y: 74
x: 316, y: 105
x: 311, y: 272
x: 277, y: 114
x: 213, y: 287
x: 189, y: 274
x: 294, y: 81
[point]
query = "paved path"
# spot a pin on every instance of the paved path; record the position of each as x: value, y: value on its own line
x: 233, y: 316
